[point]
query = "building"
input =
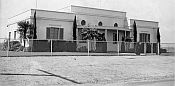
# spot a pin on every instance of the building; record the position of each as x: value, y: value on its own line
x: 59, y: 25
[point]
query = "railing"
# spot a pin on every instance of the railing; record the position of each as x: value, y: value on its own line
x: 54, y: 47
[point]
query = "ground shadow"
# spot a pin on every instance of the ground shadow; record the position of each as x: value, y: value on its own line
x: 24, y: 74
x: 49, y: 74
x: 60, y: 76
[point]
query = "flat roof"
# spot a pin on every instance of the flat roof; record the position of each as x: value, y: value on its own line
x: 19, y: 14
x: 65, y: 12
x: 39, y: 10
x: 98, y: 9
x: 53, y: 11
x: 144, y: 20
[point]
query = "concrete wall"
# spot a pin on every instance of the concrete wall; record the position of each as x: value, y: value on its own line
x: 12, y: 22
x: 152, y: 32
x: 110, y: 45
x: 65, y: 20
x: 19, y: 17
x: 54, y: 15
x: 144, y: 23
x: 54, y: 19
x: 93, y: 16
x: 43, y: 24
x: 12, y: 28
x: 144, y: 26
x: 95, y: 11
x: 94, y: 20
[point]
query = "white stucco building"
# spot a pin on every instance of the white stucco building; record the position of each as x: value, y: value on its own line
x: 59, y: 25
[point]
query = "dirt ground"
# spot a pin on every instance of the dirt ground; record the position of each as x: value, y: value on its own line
x: 85, y: 70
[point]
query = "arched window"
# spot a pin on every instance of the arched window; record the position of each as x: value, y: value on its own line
x: 115, y: 25
x: 100, y: 23
x: 83, y: 22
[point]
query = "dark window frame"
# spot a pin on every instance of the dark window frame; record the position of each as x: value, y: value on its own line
x: 54, y: 33
x: 115, y: 24
x: 100, y: 23
x: 144, y: 37
x: 115, y: 39
x: 83, y: 22
x: 15, y: 34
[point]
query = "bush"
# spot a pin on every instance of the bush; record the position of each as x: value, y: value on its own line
x: 13, y: 46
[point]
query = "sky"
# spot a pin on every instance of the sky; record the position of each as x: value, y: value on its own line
x: 161, y: 11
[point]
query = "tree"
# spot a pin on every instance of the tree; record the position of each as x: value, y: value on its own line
x: 135, y: 31
x: 158, y: 40
x: 34, y: 26
x: 136, y: 45
x: 74, y: 28
x: 92, y: 34
x: 158, y: 35
x: 25, y: 30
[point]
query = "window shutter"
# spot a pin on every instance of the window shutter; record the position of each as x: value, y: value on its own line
x: 48, y: 33
x: 56, y: 33
x: 148, y: 38
x: 141, y: 37
x: 61, y: 33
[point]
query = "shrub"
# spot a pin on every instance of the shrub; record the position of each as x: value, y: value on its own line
x: 13, y: 46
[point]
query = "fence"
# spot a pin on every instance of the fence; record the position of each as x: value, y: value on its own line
x: 167, y: 49
x: 52, y: 47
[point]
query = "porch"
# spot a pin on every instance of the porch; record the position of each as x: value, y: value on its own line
x: 112, y: 36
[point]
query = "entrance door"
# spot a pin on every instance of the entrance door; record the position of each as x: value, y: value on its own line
x: 144, y: 37
x: 54, y: 33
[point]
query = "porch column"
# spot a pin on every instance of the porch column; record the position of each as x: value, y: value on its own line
x: 130, y: 34
x: 77, y: 35
x: 106, y: 33
x: 117, y: 36
x: 125, y: 34
x: 145, y: 48
x: 151, y: 48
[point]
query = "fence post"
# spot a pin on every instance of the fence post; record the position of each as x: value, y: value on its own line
x: 118, y: 48
x: 88, y: 47
x: 8, y: 47
x: 145, y: 48
x: 158, y: 48
x: 31, y: 44
x: 151, y: 48
x: 51, y: 47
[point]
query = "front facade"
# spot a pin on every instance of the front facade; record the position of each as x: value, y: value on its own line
x: 59, y: 25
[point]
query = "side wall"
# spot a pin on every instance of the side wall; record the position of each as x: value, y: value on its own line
x: 54, y: 19
x: 92, y: 20
x: 143, y: 26
x: 95, y: 11
x: 12, y: 22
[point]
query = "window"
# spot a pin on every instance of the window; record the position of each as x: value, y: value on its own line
x: 115, y: 25
x: 83, y: 22
x: 144, y: 37
x: 14, y: 34
x: 54, y: 33
x: 115, y: 38
x: 100, y: 24
x: 9, y: 35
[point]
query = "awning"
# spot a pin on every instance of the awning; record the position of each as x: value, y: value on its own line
x: 105, y: 27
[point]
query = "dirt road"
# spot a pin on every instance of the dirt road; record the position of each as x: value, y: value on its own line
x: 85, y: 70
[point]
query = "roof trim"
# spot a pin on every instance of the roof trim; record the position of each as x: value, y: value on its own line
x: 98, y: 9
x: 19, y: 14
x: 52, y: 11
x: 144, y: 20
x: 108, y: 16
